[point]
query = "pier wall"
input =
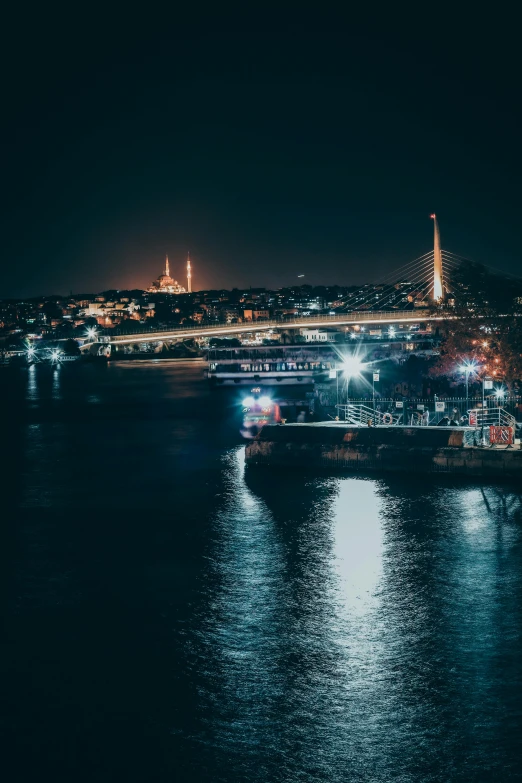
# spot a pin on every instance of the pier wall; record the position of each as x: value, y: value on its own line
x: 392, y: 449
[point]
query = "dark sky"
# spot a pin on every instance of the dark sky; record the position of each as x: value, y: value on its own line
x: 268, y: 147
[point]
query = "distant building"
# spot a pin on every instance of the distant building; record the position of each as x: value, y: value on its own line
x: 318, y: 335
x: 165, y: 284
x: 249, y: 314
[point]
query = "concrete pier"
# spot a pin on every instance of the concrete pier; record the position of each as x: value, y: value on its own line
x: 338, y: 446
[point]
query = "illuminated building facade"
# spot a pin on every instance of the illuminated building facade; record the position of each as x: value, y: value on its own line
x: 165, y: 284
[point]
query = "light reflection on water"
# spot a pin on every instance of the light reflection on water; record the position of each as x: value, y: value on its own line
x: 357, y: 629
x: 57, y: 386
x: 32, y: 392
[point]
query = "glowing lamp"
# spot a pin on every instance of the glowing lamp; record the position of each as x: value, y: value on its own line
x: 248, y: 402
x: 352, y: 366
x: 265, y: 402
x: 468, y: 367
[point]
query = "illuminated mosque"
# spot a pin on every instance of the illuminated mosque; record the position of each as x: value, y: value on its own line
x: 165, y: 284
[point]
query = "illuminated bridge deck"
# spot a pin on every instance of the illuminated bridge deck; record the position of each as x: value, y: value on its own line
x: 337, y: 320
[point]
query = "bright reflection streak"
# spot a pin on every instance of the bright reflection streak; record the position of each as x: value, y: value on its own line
x: 57, y: 380
x: 358, y: 543
x: 32, y: 383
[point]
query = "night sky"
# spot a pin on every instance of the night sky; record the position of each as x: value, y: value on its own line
x: 268, y: 147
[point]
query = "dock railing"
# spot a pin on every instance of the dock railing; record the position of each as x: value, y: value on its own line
x: 506, y: 412
x: 364, y: 415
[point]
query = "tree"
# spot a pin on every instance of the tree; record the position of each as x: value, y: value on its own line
x: 486, y: 327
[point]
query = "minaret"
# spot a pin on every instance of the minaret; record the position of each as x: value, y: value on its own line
x: 438, y: 283
x: 189, y: 275
x: 167, y: 266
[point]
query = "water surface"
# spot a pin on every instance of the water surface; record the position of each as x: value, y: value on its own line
x: 170, y: 616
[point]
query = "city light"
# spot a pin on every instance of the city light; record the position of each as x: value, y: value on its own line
x: 91, y: 333
x: 248, y: 402
x: 352, y: 366
x: 500, y: 392
x: 31, y: 352
x: 55, y: 355
x: 391, y: 331
x: 468, y: 368
x: 265, y: 402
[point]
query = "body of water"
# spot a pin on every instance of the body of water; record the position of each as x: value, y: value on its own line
x: 169, y: 616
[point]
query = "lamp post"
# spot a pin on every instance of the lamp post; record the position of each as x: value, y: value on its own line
x: 487, y: 383
x: 351, y: 367
x: 468, y: 368
x: 375, y: 379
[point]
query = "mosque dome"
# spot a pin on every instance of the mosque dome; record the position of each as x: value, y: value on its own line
x: 165, y: 283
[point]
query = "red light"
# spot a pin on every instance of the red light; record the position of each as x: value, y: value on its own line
x: 433, y: 216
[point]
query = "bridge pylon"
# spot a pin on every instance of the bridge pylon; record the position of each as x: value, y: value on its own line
x: 438, y: 281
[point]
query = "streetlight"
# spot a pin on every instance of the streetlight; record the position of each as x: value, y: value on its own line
x: 91, y: 333
x: 500, y: 393
x: 468, y: 368
x: 487, y: 383
x: 351, y: 368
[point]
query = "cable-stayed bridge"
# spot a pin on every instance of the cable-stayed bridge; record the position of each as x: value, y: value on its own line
x: 416, y: 291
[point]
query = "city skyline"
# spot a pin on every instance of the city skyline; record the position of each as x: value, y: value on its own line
x: 183, y: 268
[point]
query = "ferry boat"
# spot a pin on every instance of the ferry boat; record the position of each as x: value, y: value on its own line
x: 270, y: 365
